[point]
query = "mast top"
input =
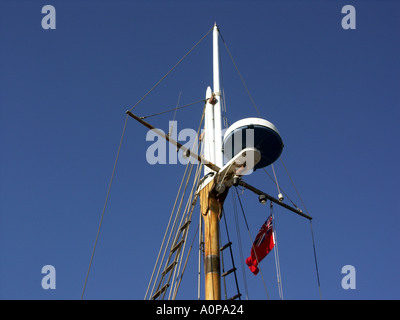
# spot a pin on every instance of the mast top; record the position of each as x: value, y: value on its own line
x: 216, y: 26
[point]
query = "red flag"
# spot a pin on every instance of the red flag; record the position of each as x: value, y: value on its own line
x: 262, y: 245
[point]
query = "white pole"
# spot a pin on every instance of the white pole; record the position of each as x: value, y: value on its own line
x: 217, y: 106
x: 209, y: 148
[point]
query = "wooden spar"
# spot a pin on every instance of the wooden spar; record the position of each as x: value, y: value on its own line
x: 259, y: 192
x: 176, y: 143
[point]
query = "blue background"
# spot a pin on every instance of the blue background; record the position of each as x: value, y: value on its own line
x: 332, y: 93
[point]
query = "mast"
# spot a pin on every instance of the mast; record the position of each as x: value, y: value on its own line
x: 211, y: 201
x: 213, y: 126
x: 217, y: 106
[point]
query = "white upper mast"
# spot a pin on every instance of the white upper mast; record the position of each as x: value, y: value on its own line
x: 217, y: 106
x: 212, y: 122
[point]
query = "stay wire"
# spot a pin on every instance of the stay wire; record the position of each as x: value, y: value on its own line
x: 170, y: 110
x: 240, y: 75
x: 240, y: 245
x: 312, y: 232
x: 297, y: 191
x: 173, y: 119
x: 280, y: 188
x: 315, y: 259
x: 159, y: 81
x: 104, y: 208
x: 276, y: 180
x: 276, y: 253
x: 223, y: 101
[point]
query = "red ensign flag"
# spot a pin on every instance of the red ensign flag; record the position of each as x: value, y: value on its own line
x: 262, y: 245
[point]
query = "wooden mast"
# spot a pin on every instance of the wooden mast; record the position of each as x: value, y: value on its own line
x: 211, y: 202
x: 211, y: 210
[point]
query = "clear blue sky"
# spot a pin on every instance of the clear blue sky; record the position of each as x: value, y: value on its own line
x: 334, y: 95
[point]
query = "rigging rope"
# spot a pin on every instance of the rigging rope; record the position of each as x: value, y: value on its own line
x: 159, y: 81
x: 173, y: 119
x: 223, y: 102
x: 165, y: 235
x: 276, y: 180
x: 276, y: 253
x: 315, y: 259
x: 190, y: 201
x: 294, y: 185
x: 312, y: 232
x: 176, y: 108
x: 280, y: 188
x: 104, y: 208
x: 175, y: 229
x: 174, y: 226
x: 240, y: 75
x: 240, y: 245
